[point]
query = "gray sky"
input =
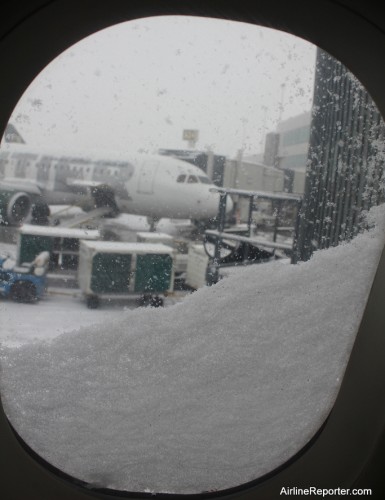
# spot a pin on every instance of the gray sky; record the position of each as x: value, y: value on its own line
x: 137, y: 85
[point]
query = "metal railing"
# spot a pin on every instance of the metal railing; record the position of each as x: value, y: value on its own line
x: 221, y: 235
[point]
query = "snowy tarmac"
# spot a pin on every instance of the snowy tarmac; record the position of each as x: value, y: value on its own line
x: 61, y: 310
x: 55, y: 314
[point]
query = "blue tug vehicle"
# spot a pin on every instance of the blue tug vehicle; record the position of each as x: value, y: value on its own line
x: 23, y: 283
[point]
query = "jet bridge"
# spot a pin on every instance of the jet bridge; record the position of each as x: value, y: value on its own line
x: 230, y: 247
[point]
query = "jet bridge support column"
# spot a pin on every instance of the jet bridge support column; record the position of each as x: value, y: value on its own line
x: 277, y: 219
x: 249, y: 223
x: 295, y: 255
x: 212, y: 275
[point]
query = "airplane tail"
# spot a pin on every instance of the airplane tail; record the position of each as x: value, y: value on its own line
x: 11, y: 134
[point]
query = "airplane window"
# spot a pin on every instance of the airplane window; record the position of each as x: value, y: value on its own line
x: 157, y: 344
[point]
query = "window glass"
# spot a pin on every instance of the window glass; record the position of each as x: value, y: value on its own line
x: 139, y: 351
x: 296, y: 136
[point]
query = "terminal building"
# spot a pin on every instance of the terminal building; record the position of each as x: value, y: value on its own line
x: 282, y: 165
x: 280, y: 168
x: 292, y: 152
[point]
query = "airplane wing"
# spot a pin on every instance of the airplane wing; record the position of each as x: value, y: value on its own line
x: 12, y: 184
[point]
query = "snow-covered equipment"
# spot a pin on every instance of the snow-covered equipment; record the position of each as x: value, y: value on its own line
x: 117, y: 270
x: 61, y: 243
x: 26, y: 282
x: 179, y: 244
x: 196, y: 266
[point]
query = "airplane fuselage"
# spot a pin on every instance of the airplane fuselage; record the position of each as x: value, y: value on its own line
x: 152, y: 185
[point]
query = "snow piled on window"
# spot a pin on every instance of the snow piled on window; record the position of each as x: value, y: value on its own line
x: 204, y: 395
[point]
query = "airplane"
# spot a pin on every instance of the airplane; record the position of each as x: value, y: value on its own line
x: 349, y: 450
x: 155, y: 186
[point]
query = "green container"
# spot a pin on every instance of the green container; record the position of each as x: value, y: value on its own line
x: 31, y: 245
x: 110, y: 273
x: 62, y: 243
x: 153, y: 273
x: 110, y: 269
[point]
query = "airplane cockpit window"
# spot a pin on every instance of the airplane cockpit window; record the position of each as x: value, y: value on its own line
x: 161, y: 339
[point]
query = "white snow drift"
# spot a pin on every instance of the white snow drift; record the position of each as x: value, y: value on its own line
x: 206, y: 394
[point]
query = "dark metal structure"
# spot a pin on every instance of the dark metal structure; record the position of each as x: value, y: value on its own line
x: 345, y: 173
x: 249, y: 249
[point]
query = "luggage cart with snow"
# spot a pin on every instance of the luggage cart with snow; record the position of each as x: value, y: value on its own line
x: 118, y: 270
x: 230, y: 248
x: 62, y: 243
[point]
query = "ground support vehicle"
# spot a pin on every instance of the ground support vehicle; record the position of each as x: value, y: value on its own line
x: 115, y: 270
x: 26, y: 282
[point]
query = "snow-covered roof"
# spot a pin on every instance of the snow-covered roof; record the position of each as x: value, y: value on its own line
x: 150, y: 235
x: 123, y: 247
x: 61, y: 232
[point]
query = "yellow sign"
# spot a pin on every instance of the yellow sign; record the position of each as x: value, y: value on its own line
x: 190, y: 135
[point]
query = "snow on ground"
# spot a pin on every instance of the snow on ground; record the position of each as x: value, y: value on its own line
x: 55, y: 314
x: 207, y: 394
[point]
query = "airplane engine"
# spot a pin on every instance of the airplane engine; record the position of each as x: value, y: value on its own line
x: 14, y: 207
